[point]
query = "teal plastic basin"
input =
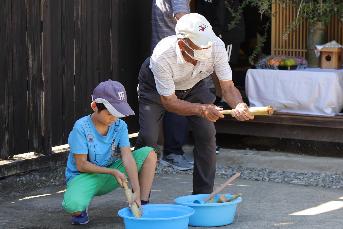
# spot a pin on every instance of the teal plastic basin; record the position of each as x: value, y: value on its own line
x: 209, y: 214
x: 158, y: 216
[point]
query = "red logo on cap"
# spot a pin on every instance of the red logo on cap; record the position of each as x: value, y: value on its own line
x: 202, y: 27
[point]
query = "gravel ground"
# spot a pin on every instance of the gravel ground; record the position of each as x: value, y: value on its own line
x: 262, y: 174
x: 274, y: 167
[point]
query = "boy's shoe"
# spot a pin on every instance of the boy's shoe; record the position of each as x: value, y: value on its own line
x: 80, y: 219
x: 178, y: 162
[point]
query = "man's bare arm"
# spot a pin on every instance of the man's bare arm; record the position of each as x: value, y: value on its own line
x: 233, y: 97
x: 230, y: 93
x: 181, y: 107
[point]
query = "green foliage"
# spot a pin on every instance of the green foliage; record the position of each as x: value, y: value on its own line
x: 253, y: 58
x: 314, y: 11
x: 318, y: 10
x: 311, y: 10
x: 264, y: 8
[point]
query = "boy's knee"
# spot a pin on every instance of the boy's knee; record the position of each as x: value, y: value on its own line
x: 145, y: 155
x: 72, y: 205
x: 152, y: 156
x: 73, y: 201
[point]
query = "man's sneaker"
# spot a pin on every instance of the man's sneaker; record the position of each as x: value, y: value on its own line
x: 80, y: 219
x: 217, y: 149
x: 189, y: 160
x: 178, y: 162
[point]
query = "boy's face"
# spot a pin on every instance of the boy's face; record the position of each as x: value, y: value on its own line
x: 105, y: 117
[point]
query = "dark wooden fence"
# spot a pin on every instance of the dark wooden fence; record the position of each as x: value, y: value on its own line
x: 53, y: 53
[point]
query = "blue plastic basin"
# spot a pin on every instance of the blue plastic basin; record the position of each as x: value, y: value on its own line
x: 158, y: 216
x: 209, y: 214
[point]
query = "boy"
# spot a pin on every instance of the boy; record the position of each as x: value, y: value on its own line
x: 100, y: 155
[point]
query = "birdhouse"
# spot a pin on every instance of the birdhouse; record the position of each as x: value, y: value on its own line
x: 331, y: 57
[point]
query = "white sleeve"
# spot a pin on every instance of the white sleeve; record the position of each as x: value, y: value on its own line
x: 221, y: 62
x: 163, y: 77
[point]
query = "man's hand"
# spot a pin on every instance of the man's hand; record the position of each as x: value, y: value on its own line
x: 119, y: 176
x: 211, y: 112
x: 241, y: 112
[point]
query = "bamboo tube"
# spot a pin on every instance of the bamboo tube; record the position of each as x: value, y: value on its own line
x: 134, y: 208
x: 233, y: 197
x: 254, y: 110
x: 222, y: 186
x: 223, y: 199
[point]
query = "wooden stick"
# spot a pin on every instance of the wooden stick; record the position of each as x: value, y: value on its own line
x: 134, y: 207
x: 233, y: 197
x: 222, y: 199
x: 254, y: 110
x: 221, y: 187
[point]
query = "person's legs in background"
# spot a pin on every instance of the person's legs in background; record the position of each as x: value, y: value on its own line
x: 151, y: 111
x: 175, y: 131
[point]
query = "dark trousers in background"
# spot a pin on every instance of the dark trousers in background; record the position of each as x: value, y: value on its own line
x: 151, y: 114
x: 175, y: 131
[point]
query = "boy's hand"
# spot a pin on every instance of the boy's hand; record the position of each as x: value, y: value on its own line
x: 119, y: 176
x: 136, y: 198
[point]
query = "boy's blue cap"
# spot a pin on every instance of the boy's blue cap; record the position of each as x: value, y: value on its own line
x: 113, y: 95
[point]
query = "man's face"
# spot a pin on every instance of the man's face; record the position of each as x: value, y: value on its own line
x: 193, y: 51
x: 188, y: 46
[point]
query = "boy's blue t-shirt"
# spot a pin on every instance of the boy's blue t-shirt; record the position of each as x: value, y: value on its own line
x: 101, y: 150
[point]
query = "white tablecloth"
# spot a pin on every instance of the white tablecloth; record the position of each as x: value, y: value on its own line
x: 311, y: 91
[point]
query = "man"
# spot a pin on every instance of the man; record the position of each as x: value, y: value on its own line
x: 173, y: 79
x: 100, y: 157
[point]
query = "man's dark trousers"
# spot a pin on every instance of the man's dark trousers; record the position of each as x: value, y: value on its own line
x: 151, y: 114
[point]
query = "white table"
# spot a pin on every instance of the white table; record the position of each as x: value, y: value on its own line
x: 311, y: 91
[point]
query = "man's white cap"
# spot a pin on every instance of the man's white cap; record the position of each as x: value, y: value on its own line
x: 195, y: 27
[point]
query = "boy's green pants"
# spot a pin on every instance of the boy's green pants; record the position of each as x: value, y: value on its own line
x: 82, y: 188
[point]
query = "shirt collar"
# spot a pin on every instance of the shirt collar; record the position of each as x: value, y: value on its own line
x: 179, y: 56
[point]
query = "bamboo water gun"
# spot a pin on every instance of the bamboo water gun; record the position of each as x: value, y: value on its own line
x: 268, y: 110
x: 134, y: 207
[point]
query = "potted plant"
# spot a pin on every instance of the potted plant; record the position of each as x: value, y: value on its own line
x: 318, y: 14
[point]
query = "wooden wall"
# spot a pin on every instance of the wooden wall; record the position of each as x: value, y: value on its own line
x: 53, y: 53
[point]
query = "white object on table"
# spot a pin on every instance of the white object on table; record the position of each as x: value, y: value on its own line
x: 310, y: 91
